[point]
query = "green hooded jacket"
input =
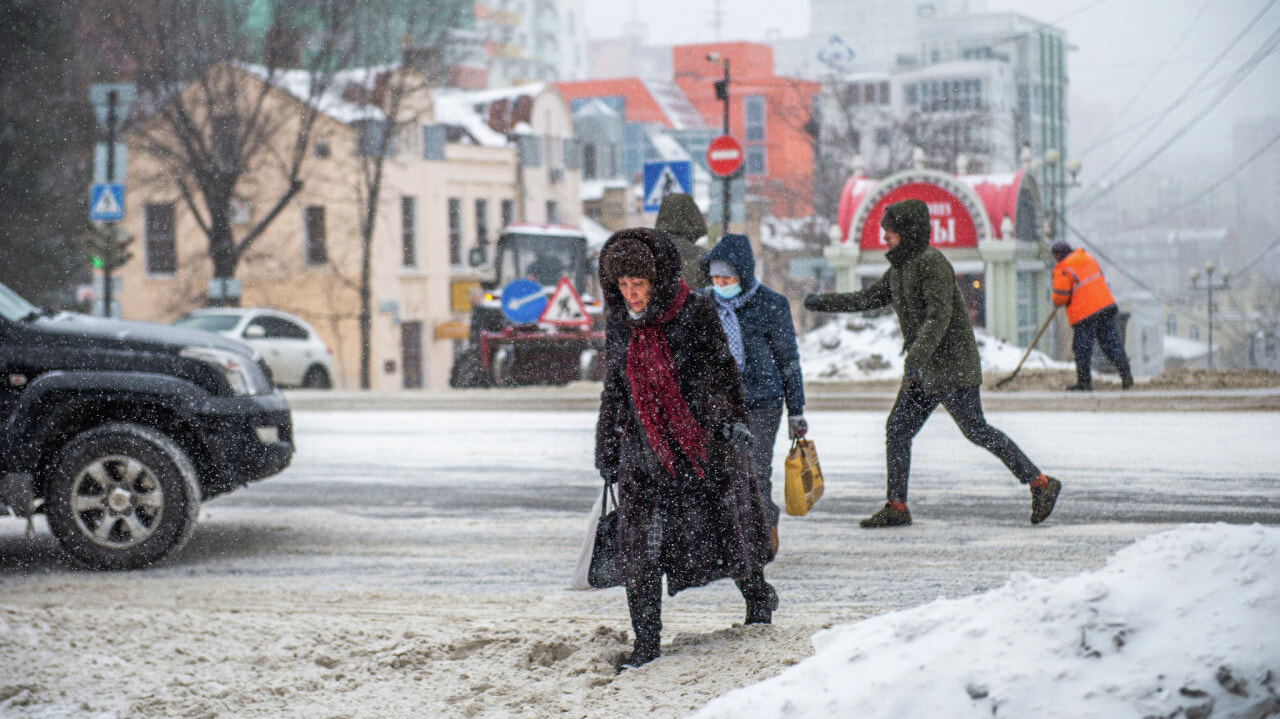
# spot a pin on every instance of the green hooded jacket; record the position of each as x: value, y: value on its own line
x: 937, y: 336
x: 680, y: 218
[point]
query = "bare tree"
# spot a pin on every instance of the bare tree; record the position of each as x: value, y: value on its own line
x: 423, y: 33
x: 209, y: 76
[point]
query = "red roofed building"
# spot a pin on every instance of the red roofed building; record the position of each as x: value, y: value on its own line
x: 767, y: 113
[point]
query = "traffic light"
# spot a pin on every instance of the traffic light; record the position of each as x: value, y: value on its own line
x: 97, y: 262
x: 722, y: 90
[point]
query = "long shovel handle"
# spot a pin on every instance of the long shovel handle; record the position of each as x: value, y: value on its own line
x: 1044, y: 326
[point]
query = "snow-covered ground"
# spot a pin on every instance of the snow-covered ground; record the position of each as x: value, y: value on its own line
x: 854, y: 348
x: 417, y: 563
x: 1182, y: 624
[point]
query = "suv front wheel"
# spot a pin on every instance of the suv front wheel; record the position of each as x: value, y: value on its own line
x: 122, y: 496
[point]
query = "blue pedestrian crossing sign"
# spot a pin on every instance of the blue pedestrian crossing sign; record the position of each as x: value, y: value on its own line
x: 664, y: 178
x: 106, y: 202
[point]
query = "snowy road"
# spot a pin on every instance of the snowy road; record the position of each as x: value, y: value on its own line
x: 417, y: 562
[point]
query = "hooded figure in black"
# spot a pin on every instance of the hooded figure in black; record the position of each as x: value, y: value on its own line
x: 672, y: 433
x: 680, y: 218
x: 942, y: 363
x: 762, y: 339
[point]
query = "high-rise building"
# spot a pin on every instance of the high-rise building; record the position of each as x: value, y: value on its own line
x: 534, y: 40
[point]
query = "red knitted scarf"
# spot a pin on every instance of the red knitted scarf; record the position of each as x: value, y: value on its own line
x: 662, y: 409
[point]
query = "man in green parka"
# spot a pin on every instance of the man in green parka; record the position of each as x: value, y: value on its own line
x: 942, y: 363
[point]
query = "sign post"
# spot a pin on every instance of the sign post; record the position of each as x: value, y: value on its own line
x: 724, y: 159
x: 106, y: 203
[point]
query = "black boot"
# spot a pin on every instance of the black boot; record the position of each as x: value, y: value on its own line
x: 1126, y: 375
x: 1081, y: 387
x: 761, y: 598
x: 645, y: 604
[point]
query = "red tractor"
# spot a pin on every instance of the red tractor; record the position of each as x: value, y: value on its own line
x: 539, y: 319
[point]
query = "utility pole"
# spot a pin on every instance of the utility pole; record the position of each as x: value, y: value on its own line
x: 722, y: 94
x: 112, y: 118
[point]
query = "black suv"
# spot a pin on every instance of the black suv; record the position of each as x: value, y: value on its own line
x: 117, y: 430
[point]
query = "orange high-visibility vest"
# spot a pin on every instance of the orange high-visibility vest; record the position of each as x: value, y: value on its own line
x: 1078, y: 284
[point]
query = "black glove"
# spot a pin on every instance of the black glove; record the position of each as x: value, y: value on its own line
x: 913, y: 374
x: 797, y: 427
x: 610, y: 475
x: 737, y: 434
x: 811, y: 302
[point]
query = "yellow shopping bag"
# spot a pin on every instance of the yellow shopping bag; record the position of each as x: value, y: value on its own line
x: 804, y: 478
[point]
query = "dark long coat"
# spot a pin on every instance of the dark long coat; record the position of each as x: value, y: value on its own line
x: 712, y: 527
x: 921, y: 285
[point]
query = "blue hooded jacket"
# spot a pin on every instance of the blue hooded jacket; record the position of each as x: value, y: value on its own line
x: 771, y: 373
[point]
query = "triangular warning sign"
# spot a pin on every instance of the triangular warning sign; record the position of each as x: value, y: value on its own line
x: 667, y: 184
x: 107, y: 205
x: 565, y: 307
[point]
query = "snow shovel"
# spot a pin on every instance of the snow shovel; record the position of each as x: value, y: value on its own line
x: 1030, y: 347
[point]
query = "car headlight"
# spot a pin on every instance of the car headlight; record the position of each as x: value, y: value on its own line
x: 231, y: 365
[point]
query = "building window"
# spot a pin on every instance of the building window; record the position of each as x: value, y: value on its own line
x: 883, y: 137
x: 508, y: 213
x: 884, y: 92
x: 589, y: 161
x: 1193, y: 332
x: 753, y: 111
x: 409, y: 230
x: 162, y: 256
x: 313, y: 236
x: 553, y: 213
x: 1171, y: 325
x: 455, y: 231
x: 482, y: 228
x: 756, y: 164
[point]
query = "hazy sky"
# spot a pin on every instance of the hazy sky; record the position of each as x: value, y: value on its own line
x: 1129, y: 53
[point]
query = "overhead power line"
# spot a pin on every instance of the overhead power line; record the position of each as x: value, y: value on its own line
x: 1133, y: 99
x: 1241, y: 73
x: 1195, y: 83
x: 1118, y: 267
x: 1215, y: 185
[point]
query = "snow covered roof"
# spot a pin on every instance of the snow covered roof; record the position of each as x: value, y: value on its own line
x: 667, y: 147
x: 334, y: 101
x: 453, y: 108
x: 594, y: 189
x: 783, y: 235
x: 675, y: 105
x: 1180, y: 348
x: 597, y: 234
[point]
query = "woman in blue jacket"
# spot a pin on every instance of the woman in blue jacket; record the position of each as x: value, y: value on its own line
x: 762, y: 338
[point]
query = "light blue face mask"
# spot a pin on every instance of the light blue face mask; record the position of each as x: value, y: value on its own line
x: 729, y: 291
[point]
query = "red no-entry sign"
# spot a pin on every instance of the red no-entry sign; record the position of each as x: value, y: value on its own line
x: 724, y: 155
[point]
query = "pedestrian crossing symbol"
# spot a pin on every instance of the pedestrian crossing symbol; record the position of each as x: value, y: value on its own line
x: 106, y: 202
x: 664, y: 178
x: 565, y: 307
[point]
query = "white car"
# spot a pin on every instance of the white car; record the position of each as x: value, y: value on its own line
x: 296, y: 355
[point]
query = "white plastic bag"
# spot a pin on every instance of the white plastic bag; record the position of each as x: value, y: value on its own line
x: 579, y: 578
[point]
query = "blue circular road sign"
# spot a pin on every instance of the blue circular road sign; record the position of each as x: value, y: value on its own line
x: 523, y: 301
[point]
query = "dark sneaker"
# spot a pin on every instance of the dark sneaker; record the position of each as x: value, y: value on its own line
x: 1126, y: 381
x: 1043, y: 499
x: 761, y: 612
x: 1080, y: 388
x: 887, y: 517
x: 643, y: 654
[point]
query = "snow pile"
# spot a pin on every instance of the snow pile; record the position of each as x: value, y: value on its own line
x: 855, y: 348
x: 1181, y: 624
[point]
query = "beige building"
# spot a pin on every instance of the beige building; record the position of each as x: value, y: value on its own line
x: 462, y: 165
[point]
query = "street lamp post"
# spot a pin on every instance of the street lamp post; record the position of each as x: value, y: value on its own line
x: 1209, y: 269
x: 1051, y: 159
x: 722, y: 94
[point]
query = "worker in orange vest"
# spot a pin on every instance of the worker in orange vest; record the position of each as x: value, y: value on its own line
x: 1078, y: 285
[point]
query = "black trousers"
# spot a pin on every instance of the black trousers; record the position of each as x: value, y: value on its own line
x: 763, y: 424
x: 644, y: 595
x: 913, y: 407
x: 1100, y: 325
